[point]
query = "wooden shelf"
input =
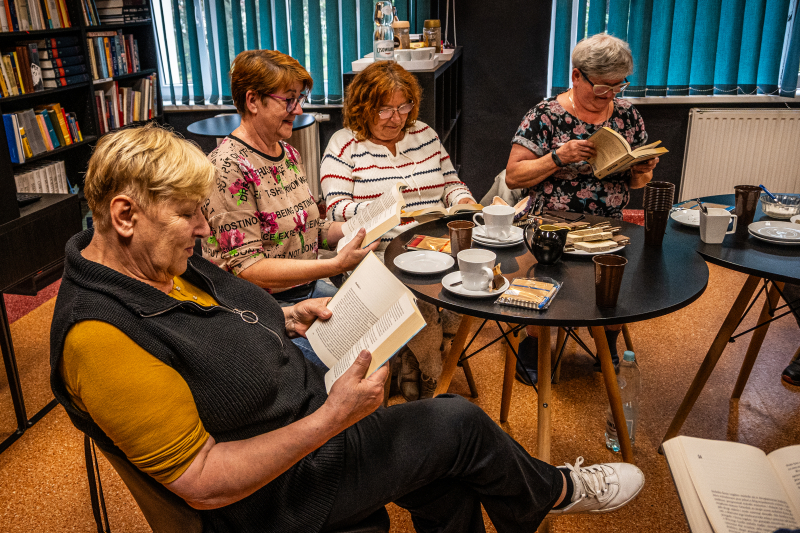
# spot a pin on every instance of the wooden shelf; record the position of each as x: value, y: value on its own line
x: 140, y: 74
x: 37, y: 94
x: 86, y: 140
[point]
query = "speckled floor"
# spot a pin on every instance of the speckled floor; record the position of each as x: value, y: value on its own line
x: 43, y: 484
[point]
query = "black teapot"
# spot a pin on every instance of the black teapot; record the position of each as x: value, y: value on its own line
x: 546, y: 243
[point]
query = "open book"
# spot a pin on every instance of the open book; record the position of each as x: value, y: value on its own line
x: 729, y: 487
x: 379, y: 217
x: 372, y: 311
x: 432, y: 213
x: 614, y: 154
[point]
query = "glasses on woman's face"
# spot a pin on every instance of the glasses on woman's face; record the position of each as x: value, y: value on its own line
x: 291, y: 103
x: 600, y: 90
x: 388, y: 112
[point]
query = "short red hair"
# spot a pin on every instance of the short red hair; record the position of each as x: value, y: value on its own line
x: 372, y: 87
x: 265, y: 72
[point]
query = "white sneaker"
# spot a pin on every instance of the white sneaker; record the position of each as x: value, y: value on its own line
x: 602, y: 488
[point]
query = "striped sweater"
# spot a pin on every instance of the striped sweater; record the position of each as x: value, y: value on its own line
x: 353, y: 173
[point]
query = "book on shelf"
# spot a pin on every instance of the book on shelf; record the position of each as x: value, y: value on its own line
x: 728, y: 487
x: 119, y: 105
x: 615, y: 155
x: 31, y: 15
x: 379, y: 217
x: 89, y: 12
x: 112, y: 54
x: 32, y: 132
x: 44, y: 177
x: 432, y: 213
x: 372, y: 311
x: 122, y: 11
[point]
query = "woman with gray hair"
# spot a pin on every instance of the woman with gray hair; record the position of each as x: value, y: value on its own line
x: 549, y: 150
x: 549, y: 153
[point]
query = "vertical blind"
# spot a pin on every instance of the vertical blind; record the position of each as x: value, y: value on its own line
x: 198, y: 40
x: 689, y: 47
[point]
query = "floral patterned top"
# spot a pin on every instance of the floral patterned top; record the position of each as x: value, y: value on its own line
x: 261, y: 207
x: 574, y: 187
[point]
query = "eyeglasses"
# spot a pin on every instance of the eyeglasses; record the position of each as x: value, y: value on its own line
x: 291, y: 103
x: 600, y: 90
x: 388, y: 112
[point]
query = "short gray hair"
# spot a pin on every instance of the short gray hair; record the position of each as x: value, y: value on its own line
x: 604, y: 56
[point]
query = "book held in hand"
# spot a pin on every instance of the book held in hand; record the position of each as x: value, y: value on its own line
x: 378, y: 218
x: 432, y: 213
x: 372, y: 311
x: 729, y: 487
x: 614, y: 154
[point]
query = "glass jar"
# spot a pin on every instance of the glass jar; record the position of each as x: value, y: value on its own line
x: 402, y: 37
x: 432, y: 34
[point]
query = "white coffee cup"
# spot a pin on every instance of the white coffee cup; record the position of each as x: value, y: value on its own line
x: 476, y: 266
x: 402, y: 55
x: 422, y: 54
x: 497, y: 221
x: 714, y: 225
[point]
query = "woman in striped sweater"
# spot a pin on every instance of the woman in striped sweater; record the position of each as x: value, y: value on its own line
x: 383, y: 143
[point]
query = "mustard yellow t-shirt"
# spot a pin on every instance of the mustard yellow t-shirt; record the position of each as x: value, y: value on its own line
x: 142, y: 404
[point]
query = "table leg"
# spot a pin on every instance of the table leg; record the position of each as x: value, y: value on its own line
x: 544, y: 398
x: 612, y: 389
x: 451, y: 359
x: 713, y: 355
x: 508, y: 374
x: 627, y: 336
x: 771, y: 302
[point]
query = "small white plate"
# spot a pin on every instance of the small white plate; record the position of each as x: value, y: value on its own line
x: 479, y: 234
x: 774, y: 241
x: 453, y: 277
x: 687, y: 217
x: 495, y: 244
x: 795, y: 219
x: 783, y: 232
x: 423, y: 262
x: 581, y: 252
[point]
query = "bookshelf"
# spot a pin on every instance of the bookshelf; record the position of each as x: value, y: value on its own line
x: 33, y: 237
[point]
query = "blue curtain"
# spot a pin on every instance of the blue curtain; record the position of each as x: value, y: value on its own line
x: 315, y: 42
x: 639, y: 40
x: 597, y: 17
x: 297, y: 36
x: 582, y: 4
x: 618, y: 11
x: 561, y: 52
x: 236, y: 23
x: 333, y: 54
x: 792, y: 60
x: 349, y: 34
x: 728, y: 48
x: 750, y: 50
x: 772, y: 45
x: 704, y: 48
x: 680, y: 50
x: 265, y: 24
x: 365, y: 10
x: 252, y: 33
x: 212, y: 58
x: 281, y: 26
x: 660, y: 39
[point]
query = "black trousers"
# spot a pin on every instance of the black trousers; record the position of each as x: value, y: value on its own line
x: 441, y: 459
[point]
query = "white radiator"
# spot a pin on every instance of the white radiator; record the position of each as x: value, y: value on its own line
x: 728, y: 147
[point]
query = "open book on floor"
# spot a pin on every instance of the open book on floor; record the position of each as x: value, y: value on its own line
x: 372, y: 311
x: 729, y: 487
x: 379, y: 217
x: 432, y: 213
x: 614, y: 154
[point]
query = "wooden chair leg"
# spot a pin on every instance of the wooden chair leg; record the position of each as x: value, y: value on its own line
x: 544, y: 399
x: 508, y: 374
x: 473, y: 389
x: 626, y: 334
x: 451, y: 359
x: 756, y: 340
x: 561, y: 340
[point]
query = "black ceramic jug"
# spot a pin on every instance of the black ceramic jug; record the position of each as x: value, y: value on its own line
x: 546, y: 242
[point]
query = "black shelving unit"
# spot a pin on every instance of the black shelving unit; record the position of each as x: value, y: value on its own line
x: 33, y: 238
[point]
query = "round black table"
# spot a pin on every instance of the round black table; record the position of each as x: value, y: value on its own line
x: 657, y: 281
x: 771, y: 263
x: 225, y: 124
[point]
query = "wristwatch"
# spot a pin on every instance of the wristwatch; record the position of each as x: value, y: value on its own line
x: 556, y: 159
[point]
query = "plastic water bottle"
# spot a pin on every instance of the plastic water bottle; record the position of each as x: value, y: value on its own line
x: 629, y: 380
x: 383, y: 39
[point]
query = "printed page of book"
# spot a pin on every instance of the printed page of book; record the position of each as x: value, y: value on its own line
x: 610, y: 146
x: 462, y: 208
x: 690, y: 499
x: 738, y: 487
x: 786, y: 463
x: 380, y: 216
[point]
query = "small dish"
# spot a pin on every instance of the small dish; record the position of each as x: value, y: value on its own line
x: 775, y: 232
x: 687, y: 217
x: 784, y: 207
x: 423, y: 262
x: 496, y: 244
x: 479, y: 234
x: 455, y: 277
x: 581, y: 252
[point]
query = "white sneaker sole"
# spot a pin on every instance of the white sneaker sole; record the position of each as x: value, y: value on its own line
x: 600, y: 511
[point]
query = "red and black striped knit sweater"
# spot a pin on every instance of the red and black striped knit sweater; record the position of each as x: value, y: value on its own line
x: 354, y: 173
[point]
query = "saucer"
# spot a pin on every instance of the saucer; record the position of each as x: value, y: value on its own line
x: 687, y: 217
x: 424, y: 262
x: 479, y: 234
x: 496, y: 244
x: 582, y: 252
x: 777, y: 232
x: 453, y: 277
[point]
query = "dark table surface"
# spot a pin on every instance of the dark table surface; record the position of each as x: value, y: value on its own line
x: 657, y: 280
x: 225, y: 124
x: 748, y: 255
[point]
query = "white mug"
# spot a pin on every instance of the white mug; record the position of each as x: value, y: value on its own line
x: 402, y: 55
x: 497, y: 221
x: 422, y: 54
x: 714, y: 225
x: 476, y: 266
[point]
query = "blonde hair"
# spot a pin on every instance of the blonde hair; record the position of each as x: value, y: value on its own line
x: 150, y: 164
x: 604, y: 56
x: 264, y: 72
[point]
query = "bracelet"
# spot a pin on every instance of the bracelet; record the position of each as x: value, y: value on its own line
x: 556, y: 159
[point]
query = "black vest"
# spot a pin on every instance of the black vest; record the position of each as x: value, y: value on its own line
x: 246, y: 378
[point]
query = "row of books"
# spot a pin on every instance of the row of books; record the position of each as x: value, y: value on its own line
x: 39, y: 65
x: 20, y: 71
x: 114, y: 11
x: 112, y: 54
x: 119, y: 106
x: 27, y: 15
x: 43, y: 129
x: 44, y: 177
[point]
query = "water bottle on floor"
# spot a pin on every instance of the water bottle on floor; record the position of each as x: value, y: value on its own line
x: 629, y: 380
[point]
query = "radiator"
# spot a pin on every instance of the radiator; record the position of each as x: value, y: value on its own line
x: 728, y: 147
